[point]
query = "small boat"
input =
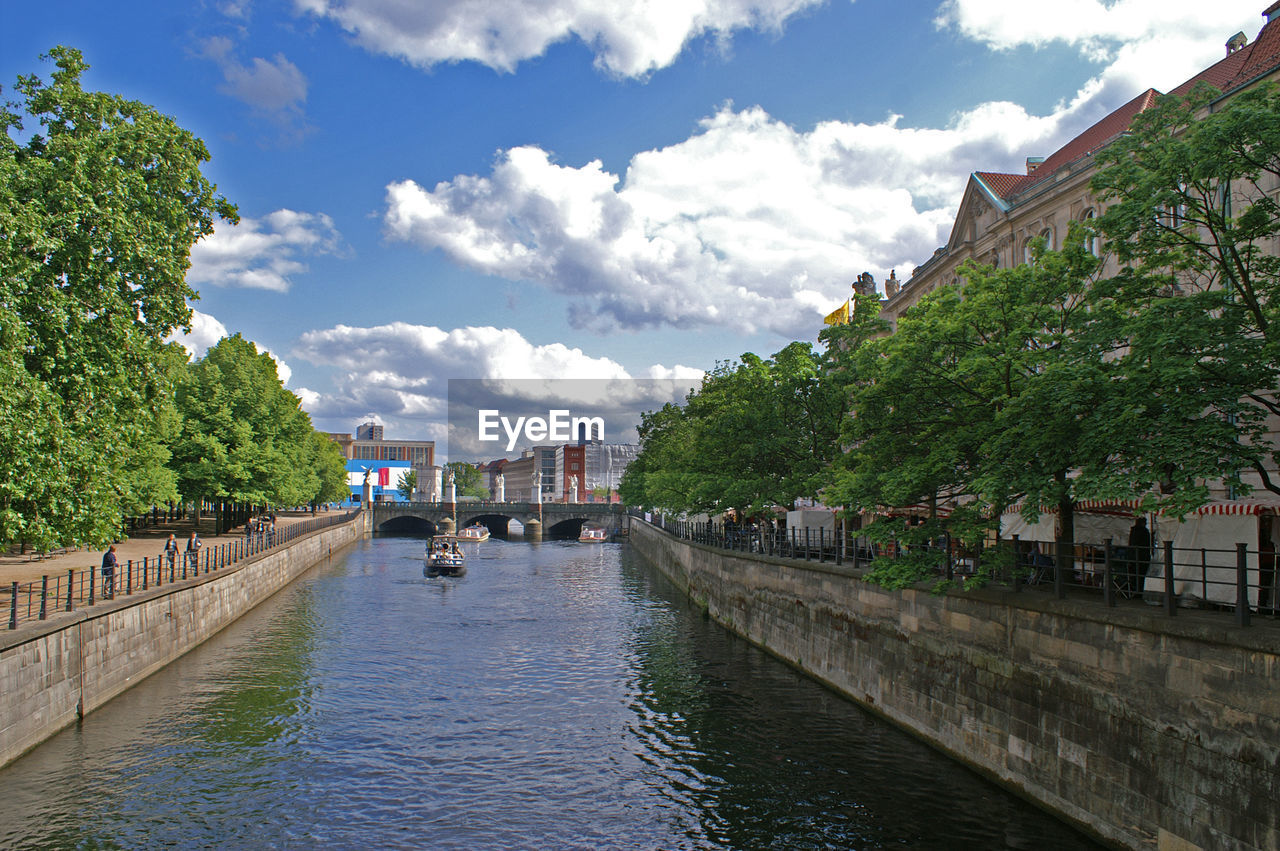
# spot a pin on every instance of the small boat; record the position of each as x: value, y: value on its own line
x: 474, y: 533
x: 593, y: 536
x: 444, y: 558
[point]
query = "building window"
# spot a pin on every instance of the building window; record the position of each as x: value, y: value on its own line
x: 1091, y: 243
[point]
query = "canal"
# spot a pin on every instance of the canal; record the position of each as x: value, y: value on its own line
x: 560, y: 695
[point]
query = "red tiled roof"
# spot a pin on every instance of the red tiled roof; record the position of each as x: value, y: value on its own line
x: 1089, y: 141
x: 1001, y: 184
x: 1235, y: 70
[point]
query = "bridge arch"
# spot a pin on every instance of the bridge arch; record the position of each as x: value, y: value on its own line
x: 497, y: 524
x: 566, y: 527
x: 407, y: 524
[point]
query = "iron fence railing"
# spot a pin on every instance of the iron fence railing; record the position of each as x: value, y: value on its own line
x: 39, y: 600
x: 1241, y: 580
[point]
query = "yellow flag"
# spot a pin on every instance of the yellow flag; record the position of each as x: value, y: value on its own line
x: 839, y: 316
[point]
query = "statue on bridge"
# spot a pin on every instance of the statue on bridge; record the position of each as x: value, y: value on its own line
x: 573, y: 488
x: 499, y: 488
x: 536, y: 496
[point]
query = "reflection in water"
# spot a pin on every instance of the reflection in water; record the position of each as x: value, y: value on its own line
x: 558, y: 696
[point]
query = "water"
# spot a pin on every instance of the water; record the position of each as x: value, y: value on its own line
x: 557, y: 696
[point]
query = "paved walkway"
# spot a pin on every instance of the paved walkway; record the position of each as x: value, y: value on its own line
x: 144, y: 543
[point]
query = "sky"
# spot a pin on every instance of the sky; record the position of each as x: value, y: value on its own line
x: 602, y: 189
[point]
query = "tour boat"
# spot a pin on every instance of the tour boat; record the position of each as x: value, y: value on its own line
x: 474, y: 533
x: 444, y: 558
x: 593, y: 536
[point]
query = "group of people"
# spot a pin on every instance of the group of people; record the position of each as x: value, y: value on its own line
x: 110, y: 561
x: 261, y: 528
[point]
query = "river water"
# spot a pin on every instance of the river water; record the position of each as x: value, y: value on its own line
x: 560, y: 695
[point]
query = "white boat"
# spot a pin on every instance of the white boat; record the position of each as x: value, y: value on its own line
x: 444, y: 557
x: 474, y: 533
x: 593, y: 536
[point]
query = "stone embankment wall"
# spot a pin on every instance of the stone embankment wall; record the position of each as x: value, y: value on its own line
x: 1147, y: 731
x: 69, y: 665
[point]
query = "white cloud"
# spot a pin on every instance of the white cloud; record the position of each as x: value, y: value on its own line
x: 205, y: 331
x: 629, y: 39
x: 262, y: 253
x: 401, y: 371
x: 1144, y: 43
x: 275, y: 89
x: 749, y: 223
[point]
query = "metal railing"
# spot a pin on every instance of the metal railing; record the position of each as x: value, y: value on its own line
x: 1240, y: 580
x: 32, y: 601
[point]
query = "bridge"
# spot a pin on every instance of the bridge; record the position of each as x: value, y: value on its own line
x: 545, y: 519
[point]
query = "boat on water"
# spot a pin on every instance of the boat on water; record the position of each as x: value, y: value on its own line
x: 444, y: 557
x: 593, y: 536
x: 474, y: 533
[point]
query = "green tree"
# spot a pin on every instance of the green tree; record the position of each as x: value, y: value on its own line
x: 466, y: 480
x: 100, y: 203
x: 245, y: 438
x: 1193, y: 220
x: 331, y: 467
x: 408, y: 484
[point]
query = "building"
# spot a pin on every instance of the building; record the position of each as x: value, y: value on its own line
x: 1000, y: 214
x: 375, y: 452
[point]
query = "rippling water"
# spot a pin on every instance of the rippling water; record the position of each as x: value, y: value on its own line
x: 557, y: 696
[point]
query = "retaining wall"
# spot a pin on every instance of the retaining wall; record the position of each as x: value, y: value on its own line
x: 1146, y: 731
x: 54, y: 672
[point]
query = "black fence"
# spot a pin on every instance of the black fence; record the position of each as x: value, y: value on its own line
x: 1241, y: 580
x: 80, y: 588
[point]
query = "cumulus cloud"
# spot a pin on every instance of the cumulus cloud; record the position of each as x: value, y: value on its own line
x: 207, y: 330
x: 629, y: 39
x: 749, y: 223
x: 401, y: 371
x: 1143, y: 43
x: 262, y: 253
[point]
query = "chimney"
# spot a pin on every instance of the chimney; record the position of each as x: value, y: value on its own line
x: 1236, y: 42
x: 1271, y: 12
x: 1034, y: 163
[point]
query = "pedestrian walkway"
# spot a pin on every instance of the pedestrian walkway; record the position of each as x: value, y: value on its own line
x: 144, y: 543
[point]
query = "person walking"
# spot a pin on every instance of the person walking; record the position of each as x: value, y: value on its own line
x: 171, y: 551
x: 109, y: 562
x: 193, y: 552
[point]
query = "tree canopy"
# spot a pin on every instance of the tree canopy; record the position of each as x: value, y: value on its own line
x: 101, y: 199
x: 1194, y: 221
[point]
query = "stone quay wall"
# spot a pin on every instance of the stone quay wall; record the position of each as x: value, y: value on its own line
x: 54, y: 672
x: 1143, y: 730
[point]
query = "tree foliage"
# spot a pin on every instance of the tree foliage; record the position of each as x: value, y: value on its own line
x: 757, y: 433
x: 408, y: 484
x: 101, y: 199
x: 1194, y: 221
x: 244, y: 437
x: 466, y: 480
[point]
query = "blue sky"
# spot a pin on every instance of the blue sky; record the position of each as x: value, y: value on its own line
x: 590, y: 188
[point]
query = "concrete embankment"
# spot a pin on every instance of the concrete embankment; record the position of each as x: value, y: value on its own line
x: 1146, y: 731
x: 53, y: 672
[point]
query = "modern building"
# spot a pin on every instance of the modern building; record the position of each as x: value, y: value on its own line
x: 371, y: 450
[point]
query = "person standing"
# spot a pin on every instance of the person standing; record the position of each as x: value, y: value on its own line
x: 109, y: 562
x: 1266, y: 567
x: 1139, y: 555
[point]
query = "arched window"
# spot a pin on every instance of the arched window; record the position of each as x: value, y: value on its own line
x: 1047, y: 236
x: 1091, y: 243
